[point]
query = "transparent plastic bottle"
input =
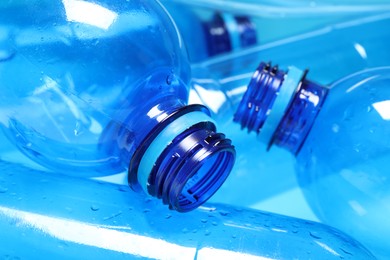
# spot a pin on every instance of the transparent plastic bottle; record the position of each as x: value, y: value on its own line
x: 95, y: 88
x: 341, y: 139
x: 330, y: 54
x: 62, y: 217
x: 215, y: 27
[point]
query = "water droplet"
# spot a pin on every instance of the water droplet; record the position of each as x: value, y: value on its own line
x: 214, y: 223
x: 3, y: 189
x: 224, y: 213
x: 194, y: 231
x: 168, y: 216
x: 315, y: 235
x: 203, y: 220
x: 6, y: 54
x: 169, y: 79
x: 345, y: 251
x: 94, y: 208
x: 184, y: 230
x: 207, y: 232
x: 146, y: 210
x: 234, y: 236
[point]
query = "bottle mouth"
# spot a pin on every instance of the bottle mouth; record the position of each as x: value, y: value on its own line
x: 192, y: 168
x: 186, y: 162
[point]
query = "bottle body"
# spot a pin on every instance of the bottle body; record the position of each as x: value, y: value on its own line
x: 94, y: 97
x: 98, y: 221
x: 343, y: 164
x: 216, y: 27
x: 220, y: 83
x: 340, y: 137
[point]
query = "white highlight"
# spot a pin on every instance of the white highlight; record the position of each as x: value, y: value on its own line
x: 100, y: 236
x: 327, y: 248
x: 360, y: 49
x: 383, y: 109
x: 89, y: 13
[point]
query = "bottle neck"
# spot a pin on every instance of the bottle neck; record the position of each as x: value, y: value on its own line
x: 182, y: 160
x: 280, y: 106
x: 226, y: 32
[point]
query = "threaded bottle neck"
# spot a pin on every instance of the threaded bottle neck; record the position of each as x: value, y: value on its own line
x: 184, y: 160
x: 225, y: 32
x: 280, y: 107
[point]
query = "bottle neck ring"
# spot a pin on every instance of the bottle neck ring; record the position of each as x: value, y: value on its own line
x: 184, y: 161
x: 226, y: 32
x: 280, y: 106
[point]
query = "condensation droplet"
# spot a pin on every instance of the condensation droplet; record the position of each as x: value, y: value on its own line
x: 168, y: 216
x: 207, y: 232
x: 3, y: 189
x: 315, y: 235
x: 224, y: 213
x: 169, y: 79
x: 345, y: 251
x: 6, y: 54
x: 203, y: 220
x: 94, y: 208
x: 214, y: 223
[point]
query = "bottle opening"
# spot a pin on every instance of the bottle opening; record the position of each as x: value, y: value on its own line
x: 205, y: 181
x: 186, y: 162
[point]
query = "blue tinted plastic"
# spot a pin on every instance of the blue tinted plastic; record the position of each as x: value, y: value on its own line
x: 51, y: 216
x: 220, y: 83
x: 341, y: 140
x: 88, y: 87
x: 343, y: 164
x: 214, y: 27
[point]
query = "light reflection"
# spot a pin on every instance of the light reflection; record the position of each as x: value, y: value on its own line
x: 383, y: 109
x: 360, y: 49
x: 357, y: 207
x: 89, y: 13
x: 214, y: 99
x: 100, y: 236
x: 327, y: 248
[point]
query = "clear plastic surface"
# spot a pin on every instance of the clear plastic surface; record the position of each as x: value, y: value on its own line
x: 52, y: 216
x: 214, y: 27
x: 87, y: 87
x: 329, y: 53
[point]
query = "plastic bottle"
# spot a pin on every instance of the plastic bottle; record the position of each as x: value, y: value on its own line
x: 94, y: 88
x: 62, y: 217
x: 221, y: 82
x: 215, y: 27
x: 341, y: 139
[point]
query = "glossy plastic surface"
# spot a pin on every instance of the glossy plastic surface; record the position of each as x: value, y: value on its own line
x: 87, y: 87
x: 52, y: 216
x: 343, y: 165
x: 220, y: 83
x: 214, y: 27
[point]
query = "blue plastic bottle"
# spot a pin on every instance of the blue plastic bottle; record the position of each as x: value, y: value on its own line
x: 61, y: 217
x: 95, y: 88
x: 330, y: 53
x: 341, y: 139
x: 215, y: 27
